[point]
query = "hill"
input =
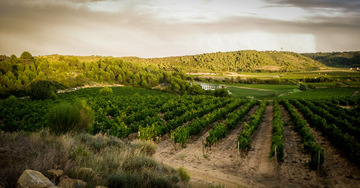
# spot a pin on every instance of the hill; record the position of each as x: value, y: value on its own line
x: 17, y: 74
x: 337, y: 59
x: 237, y: 61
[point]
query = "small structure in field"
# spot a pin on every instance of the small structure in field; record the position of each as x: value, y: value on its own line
x: 208, y: 86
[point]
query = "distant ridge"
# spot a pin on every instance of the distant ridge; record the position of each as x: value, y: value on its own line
x: 236, y: 61
x: 337, y: 59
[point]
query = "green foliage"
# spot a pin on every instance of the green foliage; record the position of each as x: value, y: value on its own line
x: 197, y: 126
x: 180, y: 135
x: 323, y: 93
x: 105, y: 91
x: 303, y: 87
x: 67, y: 117
x: 41, y: 90
x: 336, y: 59
x: 124, y: 180
x: 244, y: 138
x: 310, y: 143
x: 53, y: 96
x: 232, y: 119
x: 71, y: 72
x: 335, y: 133
x: 222, y: 92
x: 219, y: 131
x: 149, y: 132
x: 26, y: 57
x: 246, y: 61
x: 277, y: 141
x: 139, y: 163
x: 12, y: 98
x: 183, y: 175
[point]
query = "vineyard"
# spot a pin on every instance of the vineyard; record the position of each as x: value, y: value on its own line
x: 230, y: 141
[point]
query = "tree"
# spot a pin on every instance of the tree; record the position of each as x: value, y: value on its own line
x: 105, y: 91
x: 303, y: 87
x: 26, y: 57
x: 222, y: 92
x: 41, y: 90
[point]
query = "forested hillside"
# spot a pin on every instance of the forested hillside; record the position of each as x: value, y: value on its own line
x: 337, y: 59
x: 17, y: 74
x: 244, y: 61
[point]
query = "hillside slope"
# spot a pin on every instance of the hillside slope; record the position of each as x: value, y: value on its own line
x: 237, y: 61
x: 337, y: 59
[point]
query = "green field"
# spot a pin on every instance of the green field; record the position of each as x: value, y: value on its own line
x: 325, y: 93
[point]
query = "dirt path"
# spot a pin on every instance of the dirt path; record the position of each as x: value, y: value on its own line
x: 218, y: 165
x: 256, y: 164
x: 222, y: 164
x: 337, y: 171
x: 294, y: 170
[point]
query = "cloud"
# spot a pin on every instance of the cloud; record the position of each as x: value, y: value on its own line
x: 351, y: 5
x: 153, y: 28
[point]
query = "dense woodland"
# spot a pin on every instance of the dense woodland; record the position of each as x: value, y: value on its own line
x: 237, y: 61
x: 337, y: 59
x: 17, y: 74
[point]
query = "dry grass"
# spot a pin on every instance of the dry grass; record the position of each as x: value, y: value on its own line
x: 113, y: 162
x: 37, y: 151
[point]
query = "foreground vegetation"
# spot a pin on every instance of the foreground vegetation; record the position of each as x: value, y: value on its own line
x: 162, y: 100
x: 97, y: 160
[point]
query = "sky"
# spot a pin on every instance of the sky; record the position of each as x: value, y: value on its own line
x: 160, y: 28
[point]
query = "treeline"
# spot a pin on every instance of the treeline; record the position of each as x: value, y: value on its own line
x: 241, y: 80
x: 337, y: 59
x: 17, y: 74
x: 237, y: 61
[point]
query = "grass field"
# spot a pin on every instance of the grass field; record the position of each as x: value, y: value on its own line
x: 338, y: 73
x: 325, y: 93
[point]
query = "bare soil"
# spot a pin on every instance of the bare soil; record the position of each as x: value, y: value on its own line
x: 294, y: 170
x: 336, y: 171
x: 224, y: 165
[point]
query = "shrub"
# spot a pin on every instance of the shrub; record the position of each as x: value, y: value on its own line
x: 149, y: 132
x: 41, y: 90
x: 67, y: 117
x: 222, y: 92
x: 12, y: 98
x: 53, y: 96
x: 105, y: 91
x: 125, y: 180
x: 136, y: 164
x: 147, y: 148
x: 183, y: 175
x: 303, y: 87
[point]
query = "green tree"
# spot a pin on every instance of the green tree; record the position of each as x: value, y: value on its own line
x: 26, y: 57
x: 41, y: 90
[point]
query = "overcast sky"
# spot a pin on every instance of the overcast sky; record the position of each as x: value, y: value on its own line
x: 158, y: 28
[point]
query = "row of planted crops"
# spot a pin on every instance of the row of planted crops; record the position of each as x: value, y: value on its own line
x: 152, y: 114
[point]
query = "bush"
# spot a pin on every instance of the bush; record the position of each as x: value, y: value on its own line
x: 105, y: 91
x: 184, y: 176
x: 12, y: 98
x: 53, y: 96
x: 303, y: 87
x: 222, y: 92
x: 137, y: 164
x: 125, y: 180
x: 41, y: 90
x: 67, y: 117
